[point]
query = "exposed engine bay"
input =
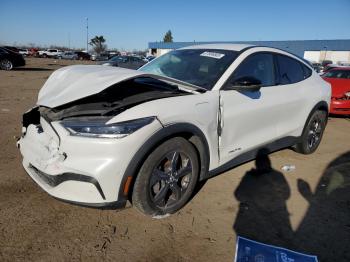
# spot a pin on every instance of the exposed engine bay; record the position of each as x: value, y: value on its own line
x: 109, y: 102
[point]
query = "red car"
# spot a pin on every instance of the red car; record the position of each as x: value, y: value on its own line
x: 339, y: 78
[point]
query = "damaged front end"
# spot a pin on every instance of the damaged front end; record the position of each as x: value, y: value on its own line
x: 76, y: 145
x: 93, y: 113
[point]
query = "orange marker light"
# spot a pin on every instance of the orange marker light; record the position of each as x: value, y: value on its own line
x: 127, y: 185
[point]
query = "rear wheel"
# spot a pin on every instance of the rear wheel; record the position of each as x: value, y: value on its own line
x: 167, y: 178
x: 6, y: 64
x: 313, y: 132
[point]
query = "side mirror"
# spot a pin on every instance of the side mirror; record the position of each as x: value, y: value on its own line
x: 246, y: 83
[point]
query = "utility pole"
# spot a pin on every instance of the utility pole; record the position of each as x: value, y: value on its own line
x: 325, y: 55
x: 87, y: 35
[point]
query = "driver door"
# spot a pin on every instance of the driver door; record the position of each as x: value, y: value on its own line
x: 248, y: 118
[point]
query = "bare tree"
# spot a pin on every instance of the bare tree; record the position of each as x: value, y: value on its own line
x: 168, y: 37
x: 98, y: 44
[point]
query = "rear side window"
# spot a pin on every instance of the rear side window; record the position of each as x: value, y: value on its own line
x: 290, y: 70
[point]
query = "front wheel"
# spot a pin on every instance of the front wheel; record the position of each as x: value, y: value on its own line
x: 167, y: 178
x: 6, y: 64
x: 313, y: 132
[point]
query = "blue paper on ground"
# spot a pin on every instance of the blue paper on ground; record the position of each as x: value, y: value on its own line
x: 252, y: 251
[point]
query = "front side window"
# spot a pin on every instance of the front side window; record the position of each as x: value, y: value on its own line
x: 200, y: 67
x: 290, y: 70
x: 258, y: 66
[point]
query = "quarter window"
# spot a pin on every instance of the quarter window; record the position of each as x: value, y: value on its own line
x: 307, y: 71
x: 290, y: 70
x: 259, y: 66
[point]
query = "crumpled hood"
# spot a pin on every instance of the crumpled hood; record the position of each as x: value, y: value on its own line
x: 71, y: 83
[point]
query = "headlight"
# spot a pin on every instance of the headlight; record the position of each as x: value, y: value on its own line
x: 347, y: 94
x: 97, y: 127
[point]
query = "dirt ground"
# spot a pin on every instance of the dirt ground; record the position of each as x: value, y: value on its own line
x: 307, y: 209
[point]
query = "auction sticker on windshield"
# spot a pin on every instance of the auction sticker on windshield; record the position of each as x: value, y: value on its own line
x: 212, y: 55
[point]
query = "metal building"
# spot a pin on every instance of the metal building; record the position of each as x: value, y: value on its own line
x: 337, y: 51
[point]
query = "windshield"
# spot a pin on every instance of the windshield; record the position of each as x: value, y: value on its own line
x: 338, y: 74
x: 200, y: 67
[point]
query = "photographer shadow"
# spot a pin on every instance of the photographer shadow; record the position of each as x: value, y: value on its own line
x: 263, y: 215
x: 325, y: 228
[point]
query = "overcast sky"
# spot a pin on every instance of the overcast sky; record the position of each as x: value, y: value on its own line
x: 131, y: 24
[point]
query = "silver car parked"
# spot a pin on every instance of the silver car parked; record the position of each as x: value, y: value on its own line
x: 69, y: 55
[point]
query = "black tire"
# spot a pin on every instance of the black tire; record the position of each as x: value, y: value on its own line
x: 312, y: 133
x: 167, y: 178
x: 6, y: 64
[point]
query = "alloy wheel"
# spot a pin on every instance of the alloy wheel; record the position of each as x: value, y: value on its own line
x: 170, y: 179
x: 6, y: 64
x: 315, y: 132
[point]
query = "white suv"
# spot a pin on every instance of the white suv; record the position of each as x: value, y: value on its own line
x: 100, y: 136
x: 53, y: 53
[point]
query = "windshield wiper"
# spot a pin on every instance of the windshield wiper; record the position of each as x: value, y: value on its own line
x: 183, y: 84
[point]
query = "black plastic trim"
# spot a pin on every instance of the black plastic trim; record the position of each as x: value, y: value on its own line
x: 320, y: 105
x: 245, y: 49
x: 31, y: 117
x: 250, y: 155
x: 159, y: 137
x: 58, y: 179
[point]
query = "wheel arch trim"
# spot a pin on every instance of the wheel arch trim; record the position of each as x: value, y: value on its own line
x: 321, y: 105
x: 197, y: 138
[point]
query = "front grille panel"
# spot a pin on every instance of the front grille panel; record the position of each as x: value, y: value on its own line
x: 31, y: 117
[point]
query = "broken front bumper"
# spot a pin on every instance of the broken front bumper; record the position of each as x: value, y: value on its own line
x: 85, y: 171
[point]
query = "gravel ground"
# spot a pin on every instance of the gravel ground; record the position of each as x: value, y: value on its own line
x: 307, y: 209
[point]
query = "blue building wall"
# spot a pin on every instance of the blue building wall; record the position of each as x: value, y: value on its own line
x: 294, y: 46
